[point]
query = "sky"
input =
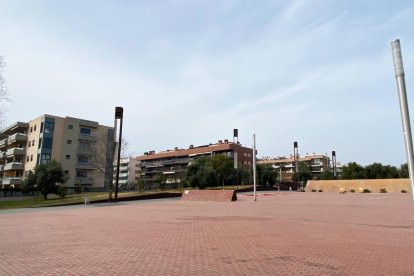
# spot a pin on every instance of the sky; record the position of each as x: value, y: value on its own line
x: 187, y: 72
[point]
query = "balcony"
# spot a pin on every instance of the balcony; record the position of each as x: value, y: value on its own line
x: 1, y: 168
x: 12, y: 181
x: 3, y: 154
x: 13, y: 166
x: 17, y: 137
x: 88, y: 137
x: 84, y: 166
x: 84, y: 180
x: 15, y: 151
x: 3, y: 143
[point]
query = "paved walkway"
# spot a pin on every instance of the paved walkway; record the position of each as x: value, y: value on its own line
x: 279, y: 234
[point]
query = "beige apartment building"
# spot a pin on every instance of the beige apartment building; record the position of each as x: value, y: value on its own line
x: 84, y: 148
x: 129, y: 170
x: 317, y: 163
x: 173, y: 163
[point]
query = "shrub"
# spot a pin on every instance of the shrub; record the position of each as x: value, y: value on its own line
x: 61, y: 192
x: 366, y: 191
x: 403, y: 191
x: 320, y: 190
x: 313, y: 190
x: 352, y: 191
x: 383, y: 190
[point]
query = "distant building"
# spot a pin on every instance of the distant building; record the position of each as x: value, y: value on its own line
x: 173, y: 163
x: 317, y: 163
x: 129, y: 170
x: 83, y: 147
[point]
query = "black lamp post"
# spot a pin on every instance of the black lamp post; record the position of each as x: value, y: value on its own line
x: 295, y: 158
x: 119, y: 114
x: 334, y: 163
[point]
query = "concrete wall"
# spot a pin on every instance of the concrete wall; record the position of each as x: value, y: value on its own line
x: 392, y: 185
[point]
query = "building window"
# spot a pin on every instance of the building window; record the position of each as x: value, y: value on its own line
x: 67, y: 156
x: 81, y: 174
x: 30, y: 143
x: 31, y: 129
x: 41, y: 127
x: 34, y: 128
x: 68, y: 142
x: 86, y: 131
x: 70, y: 126
x: 45, y: 158
x: 28, y: 158
x: 40, y: 143
x: 47, y: 143
x: 83, y: 159
x: 31, y: 157
x: 66, y: 172
x: 33, y: 142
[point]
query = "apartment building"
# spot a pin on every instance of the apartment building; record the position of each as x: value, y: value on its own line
x: 83, y: 147
x: 317, y: 163
x: 129, y: 170
x: 173, y: 163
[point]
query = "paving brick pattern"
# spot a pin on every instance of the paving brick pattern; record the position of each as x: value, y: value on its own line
x: 284, y: 234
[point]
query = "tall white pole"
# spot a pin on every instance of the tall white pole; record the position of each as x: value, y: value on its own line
x: 254, y: 166
x: 405, y: 115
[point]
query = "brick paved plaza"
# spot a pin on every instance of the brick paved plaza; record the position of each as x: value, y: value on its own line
x: 280, y: 234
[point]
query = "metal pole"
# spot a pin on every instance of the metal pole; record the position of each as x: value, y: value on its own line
x: 118, y: 115
x: 334, y: 163
x: 405, y: 115
x: 295, y: 158
x: 254, y: 167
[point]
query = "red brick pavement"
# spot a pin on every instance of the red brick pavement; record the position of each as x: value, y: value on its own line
x: 285, y: 234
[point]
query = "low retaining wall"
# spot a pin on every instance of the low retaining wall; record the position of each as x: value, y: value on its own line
x: 209, y: 195
x: 374, y: 185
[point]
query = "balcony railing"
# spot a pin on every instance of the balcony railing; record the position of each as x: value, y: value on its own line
x: 13, y: 166
x: 85, y: 166
x: 84, y: 180
x: 15, y: 151
x: 3, y: 143
x: 12, y: 181
x: 17, y: 137
x: 88, y: 137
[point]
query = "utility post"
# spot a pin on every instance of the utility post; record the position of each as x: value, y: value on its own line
x: 119, y: 115
x: 254, y: 167
x: 334, y: 163
x: 405, y: 115
x: 295, y: 158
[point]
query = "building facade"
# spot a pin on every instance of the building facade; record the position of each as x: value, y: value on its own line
x: 129, y: 170
x: 317, y: 164
x: 173, y: 163
x: 84, y: 148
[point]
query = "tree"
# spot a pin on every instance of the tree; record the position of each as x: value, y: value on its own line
x: 224, y: 169
x: 326, y: 175
x: 305, y: 173
x: 267, y: 175
x: 47, y: 177
x: 403, y: 171
x: 29, y: 184
x: 161, y: 179
x: 3, y: 90
x: 353, y: 171
x: 201, y: 173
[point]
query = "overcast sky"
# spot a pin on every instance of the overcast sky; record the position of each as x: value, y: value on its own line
x: 189, y: 71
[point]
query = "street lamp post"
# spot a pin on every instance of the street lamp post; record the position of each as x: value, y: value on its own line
x: 334, y: 163
x: 119, y: 114
x: 295, y: 158
x: 405, y: 115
